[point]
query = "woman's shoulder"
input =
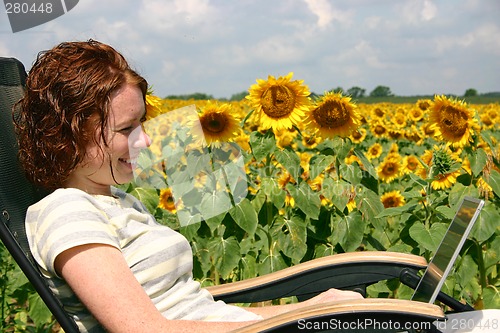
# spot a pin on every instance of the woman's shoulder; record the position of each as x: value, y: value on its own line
x: 62, y: 197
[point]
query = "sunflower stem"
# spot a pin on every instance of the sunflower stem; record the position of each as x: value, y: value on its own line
x: 480, y: 264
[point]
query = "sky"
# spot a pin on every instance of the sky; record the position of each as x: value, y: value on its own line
x: 220, y: 47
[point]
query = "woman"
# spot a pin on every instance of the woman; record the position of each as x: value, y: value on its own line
x: 111, y: 264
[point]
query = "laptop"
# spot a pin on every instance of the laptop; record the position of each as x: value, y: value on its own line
x: 448, y: 250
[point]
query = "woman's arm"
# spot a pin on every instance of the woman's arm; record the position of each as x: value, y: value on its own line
x: 327, y: 296
x: 102, y: 280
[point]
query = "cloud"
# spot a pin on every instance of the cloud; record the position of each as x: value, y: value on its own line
x: 416, y: 12
x: 326, y: 13
x: 176, y: 17
x: 429, y: 11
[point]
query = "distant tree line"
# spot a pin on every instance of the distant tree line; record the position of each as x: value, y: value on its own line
x: 354, y: 92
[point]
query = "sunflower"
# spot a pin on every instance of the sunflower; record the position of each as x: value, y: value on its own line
x: 279, y: 103
x: 310, y: 141
x: 353, y: 158
x: 350, y: 192
x: 392, y: 199
x: 374, y: 151
x: 453, y: 121
x: 416, y: 114
x: 390, y: 168
x: 285, y: 138
x: 358, y: 136
x: 153, y: 105
x: 218, y: 123
x: 423, y: 169
x: 485, y: 190
x: 423, y: 104
x: 410, y: 164
x: 378, y: 113
x: 446, y: 180
x: 395, y: 133
x: 242, y: 141
x: 333, y: 115
x: 414, y: 134
x: 167, y: 200
x: 445, y: 168
x: 399, y: 120
x: 378, y: 129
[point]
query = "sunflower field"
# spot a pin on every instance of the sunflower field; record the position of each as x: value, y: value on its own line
x: 326, y: 176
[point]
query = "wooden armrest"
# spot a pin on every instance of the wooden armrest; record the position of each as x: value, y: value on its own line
x: 335, y: 271
x: 354, y: 313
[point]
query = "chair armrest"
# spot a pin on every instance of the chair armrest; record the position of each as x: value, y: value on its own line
x: 342, y: 271
x: 352, y: 316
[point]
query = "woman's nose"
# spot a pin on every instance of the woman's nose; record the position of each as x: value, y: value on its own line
x: 139, y: 138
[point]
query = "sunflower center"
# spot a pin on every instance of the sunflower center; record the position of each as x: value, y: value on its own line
x: 213, y: 122
x: 379, y: 130
x: 389, y: 169
x: 455, y: 121
x: 331, y: 114
x: 278, y: 101
x: 357, y: 135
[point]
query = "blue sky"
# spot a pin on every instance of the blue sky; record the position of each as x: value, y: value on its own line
x: 220, y: 47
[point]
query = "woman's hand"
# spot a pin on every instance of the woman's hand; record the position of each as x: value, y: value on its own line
x: 332, y: 295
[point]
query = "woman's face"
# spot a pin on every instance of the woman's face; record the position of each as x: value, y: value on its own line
x: 111, y: 165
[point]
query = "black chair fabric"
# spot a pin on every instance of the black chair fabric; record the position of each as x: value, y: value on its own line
x: 17, y: 193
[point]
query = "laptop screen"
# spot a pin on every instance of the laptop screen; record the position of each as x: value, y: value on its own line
x: 447, y: 252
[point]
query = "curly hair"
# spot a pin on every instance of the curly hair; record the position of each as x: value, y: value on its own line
x: 66, y: 106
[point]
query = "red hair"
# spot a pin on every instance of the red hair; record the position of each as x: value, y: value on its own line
x: 67, y: 101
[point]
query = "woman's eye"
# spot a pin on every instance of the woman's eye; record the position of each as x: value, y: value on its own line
x: 126, y: 129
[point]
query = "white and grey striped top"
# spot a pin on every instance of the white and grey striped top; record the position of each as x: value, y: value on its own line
x: 159, y: 257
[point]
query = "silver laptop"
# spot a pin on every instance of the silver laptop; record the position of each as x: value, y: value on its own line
x: 447, y: 252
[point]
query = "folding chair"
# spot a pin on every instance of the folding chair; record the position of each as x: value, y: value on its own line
x: 353, y: 271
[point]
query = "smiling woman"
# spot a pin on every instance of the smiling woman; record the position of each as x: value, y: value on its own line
x: 107, y: 259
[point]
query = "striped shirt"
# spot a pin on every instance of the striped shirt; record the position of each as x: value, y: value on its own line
x: 159, y: 257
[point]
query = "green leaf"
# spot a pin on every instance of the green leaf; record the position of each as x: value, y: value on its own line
x: 271, y: 261
x: 351, y: 229
x: 491, y: 298
x: 38, y: 311
x: 486, y: 224
x: 245, y: 216
x: 336, y: 190
x: 215, y: 203
x: 270, y: 187
x: 225, y: 254
x: 467, y: 271
x: 428, y: 238
x: 366, y: 163
x: 352, y: 173
x: 342, y: 147
x: 214, y: 222
x: 478, y: 160
x: 392, y: 211
x: 306, y: 199
x: 319, y: 163
x: 290, y: 161
x: 371, y: 206
x: 248, y: 267
x: 446, y: 211
x: 494, y: 181
x: 148, y: 196
x: 262, y: 144
x: 292, y: 240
